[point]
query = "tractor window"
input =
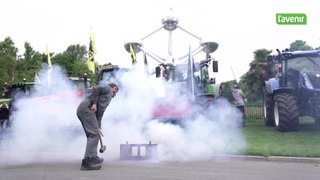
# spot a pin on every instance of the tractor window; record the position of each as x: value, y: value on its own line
x: 112, y: 75
x: 108, y: 76
x: 304, y: 64
x: 80, y: 84
x: 24, y: 90
x: 181, y: 73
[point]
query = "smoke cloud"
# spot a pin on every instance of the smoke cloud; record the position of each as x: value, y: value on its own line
x: 45, y: 126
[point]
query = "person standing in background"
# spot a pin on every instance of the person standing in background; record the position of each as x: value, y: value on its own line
x: 4, y: 118
x: 239, y: 102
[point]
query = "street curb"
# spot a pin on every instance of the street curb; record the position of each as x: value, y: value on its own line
x: 294, y: 159
x: 238, y: 157
x: 268, y: 158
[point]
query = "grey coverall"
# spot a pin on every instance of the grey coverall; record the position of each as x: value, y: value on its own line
x: 101, y: 95
x: 239, y: 102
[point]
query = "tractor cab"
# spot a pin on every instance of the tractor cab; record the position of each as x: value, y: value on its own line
x: 80, y: 84
x: 110, y: 73
x: 190, y: 78
x: 19, y: 89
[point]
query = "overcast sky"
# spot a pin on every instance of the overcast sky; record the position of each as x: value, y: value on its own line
x: 239, y: 27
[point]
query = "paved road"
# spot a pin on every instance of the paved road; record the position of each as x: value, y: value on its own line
x: 235, y: 168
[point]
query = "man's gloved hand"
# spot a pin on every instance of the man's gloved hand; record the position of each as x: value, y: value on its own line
x: 93, y: 107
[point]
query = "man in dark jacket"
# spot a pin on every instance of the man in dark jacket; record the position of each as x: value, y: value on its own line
x: 4, y: 118
x: 90, y: 112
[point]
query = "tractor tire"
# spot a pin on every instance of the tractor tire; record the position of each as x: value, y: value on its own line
x: 202, y: 105
x: 286, y: 112
x: 268, y: 110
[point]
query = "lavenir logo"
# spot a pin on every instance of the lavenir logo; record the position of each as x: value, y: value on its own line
x: 291, y: 19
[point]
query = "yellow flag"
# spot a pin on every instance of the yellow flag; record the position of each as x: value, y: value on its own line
x: 133, y: 55
x: 49, y: 67
x: 91, y: 53
x: 48, y: 57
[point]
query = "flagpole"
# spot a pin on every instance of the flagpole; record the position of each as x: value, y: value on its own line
x: 133, y: 55
x: 49, y: 67
x: 146, y: 68
x: 233, y: 74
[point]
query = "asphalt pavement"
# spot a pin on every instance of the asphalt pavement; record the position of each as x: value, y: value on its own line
x: 219, y: 167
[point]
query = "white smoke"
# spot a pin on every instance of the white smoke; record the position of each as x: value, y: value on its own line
x: 44, y: 125
x: 126, y: 120
x: 46, y: 128
x: 201, y: 138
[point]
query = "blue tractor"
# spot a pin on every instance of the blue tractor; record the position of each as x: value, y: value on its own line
x: 294, y: 89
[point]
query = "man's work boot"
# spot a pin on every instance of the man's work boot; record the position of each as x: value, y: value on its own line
x: 97, y: 160
x: 89, y: 164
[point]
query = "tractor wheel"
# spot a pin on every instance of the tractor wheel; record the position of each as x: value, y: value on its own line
x: 268, y: 110
x: 286, y: 112
x: 202, y: 104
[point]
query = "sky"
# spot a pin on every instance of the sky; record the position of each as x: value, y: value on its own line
x: 239, y: 27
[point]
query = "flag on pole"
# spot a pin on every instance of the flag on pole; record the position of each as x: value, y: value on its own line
x: 48, y: 58
x: 92, y: 52
x: 133, y: 55
x: 49, y: 67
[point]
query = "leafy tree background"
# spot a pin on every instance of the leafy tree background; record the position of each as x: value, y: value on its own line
x: 14, y: 68
x: 299, y: 45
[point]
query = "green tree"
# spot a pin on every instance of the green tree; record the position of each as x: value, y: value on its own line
x: 15, y: 68
x: 8, y: 58
x: 28, y: 65
x: 299, y: 45
x: 71, y: 59
x: 227, y: 89
x: 252, y: 81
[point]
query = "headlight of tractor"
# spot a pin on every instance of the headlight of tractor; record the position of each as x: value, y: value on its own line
x: 307, y: 81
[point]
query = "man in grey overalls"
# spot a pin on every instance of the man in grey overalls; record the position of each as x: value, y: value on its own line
x: 90, y: 112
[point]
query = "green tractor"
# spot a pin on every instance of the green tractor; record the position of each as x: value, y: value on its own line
x: 188, y: 84
x: 17, y: 90
x: 192, y: 79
